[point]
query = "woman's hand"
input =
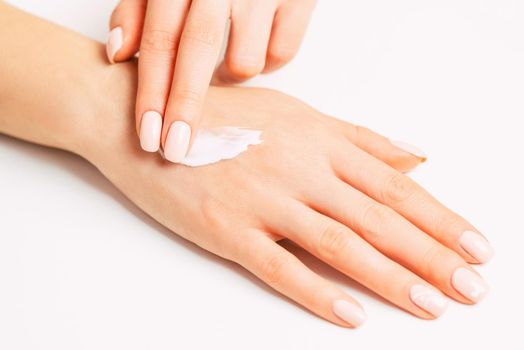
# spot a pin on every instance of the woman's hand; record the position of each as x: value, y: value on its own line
x: 179, y: 43
x: 311, y: 183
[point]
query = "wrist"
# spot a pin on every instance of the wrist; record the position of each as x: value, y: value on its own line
x: 52, y: 100
x: 106, y: 113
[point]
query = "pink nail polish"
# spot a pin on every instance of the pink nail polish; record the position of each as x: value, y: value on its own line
x: 477, y: 246
x: 428, y: 299
x: 409, y: 148
x: 150, y: 130
x: 469, y: 284
x: 114, y: 43
x: 349, y: 312
x: 177, y: 142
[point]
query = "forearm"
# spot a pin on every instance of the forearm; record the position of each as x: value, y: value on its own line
x: 53, y: 81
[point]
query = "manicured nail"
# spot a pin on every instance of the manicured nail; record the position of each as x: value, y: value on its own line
x: 349, y: 312
x: 150, y: 130
x: 177, y: 142
x: 469, y: 284
x: 477, y: 246
x: 114, y: 43
x: 406, y: 147
x: 428, y: 299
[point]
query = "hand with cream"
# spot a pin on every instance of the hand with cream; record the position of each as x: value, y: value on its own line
x: 179, y: 43
x: 331, y: 187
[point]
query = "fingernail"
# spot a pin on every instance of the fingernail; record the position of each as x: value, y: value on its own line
x: 477, y: 246
x: 406, y: 147
x: 469, y: 284
x: 114, y: 43
x: 349, y: 312
x: 428, y: 299
x: 150, y: 130
x: 177, y: 142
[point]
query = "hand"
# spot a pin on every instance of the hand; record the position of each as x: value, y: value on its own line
x: 179, y: 43
x: 330, y: 191
x: 324, y: 192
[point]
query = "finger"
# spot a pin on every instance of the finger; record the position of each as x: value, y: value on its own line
x: 406, y: 197
x: 197, y: 56
x: 400, y: 240
x: 285, y: 273
x: 346, y: 251
x: 399, y: 155
x: 248, y: 41
x: 127, y: 21
x: 288, y: 30
x: 162, y: 27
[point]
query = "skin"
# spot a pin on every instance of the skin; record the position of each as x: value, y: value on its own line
x: 384, y: 231
x: 180, y: 42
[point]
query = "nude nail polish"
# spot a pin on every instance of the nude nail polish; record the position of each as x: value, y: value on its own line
x: 409, y: 148
x: 349, y: 312
x: 428, y: 299
x: 177, y: 142
x: 114, y: 43
x: 469, y: 284
x: 150, y: 130
x: 476, y: 245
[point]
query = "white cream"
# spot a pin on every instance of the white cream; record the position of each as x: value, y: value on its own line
x: 212, y: 145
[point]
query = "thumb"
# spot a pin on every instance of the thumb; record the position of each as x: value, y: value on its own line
x: 127, y: 21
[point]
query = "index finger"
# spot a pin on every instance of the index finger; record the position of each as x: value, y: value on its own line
x: 198, y: 53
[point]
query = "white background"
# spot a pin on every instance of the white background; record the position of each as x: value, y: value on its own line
x: 82, y: 268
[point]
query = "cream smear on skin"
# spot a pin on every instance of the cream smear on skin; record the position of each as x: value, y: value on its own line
x: 212, y: 145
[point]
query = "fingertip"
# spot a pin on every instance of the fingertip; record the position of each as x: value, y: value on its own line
x: 114, y: 43
x: 404, y: 163
x: 239, y: 69
x: 177, y: 141
x: 126, y: 30
x: 349, y: 312
x: 428, y: 299
x: 277, y: 58
x: 405, y: 157
x: 150, y: 131
x: 469, y: 284
x: 477, y: 247
x: 411, y: 149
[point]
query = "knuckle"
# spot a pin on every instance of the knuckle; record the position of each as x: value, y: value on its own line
x: 360, y: 133
x: 433, y: 260
x: 398, y: 188
x: 273, y: 269
x: 212, y: 211
x: 187, y: 97
x: 202, y: 34
x: 226, y: 238
x: 448, y: 226
x: 156, y: 41
x: 375, y: 218
x: 333, y: 240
